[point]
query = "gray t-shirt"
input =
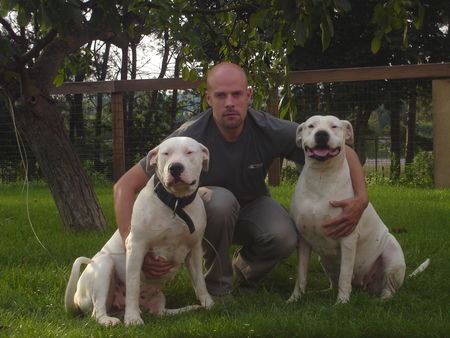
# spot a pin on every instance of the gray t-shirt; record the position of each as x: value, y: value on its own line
x: 241, y: 166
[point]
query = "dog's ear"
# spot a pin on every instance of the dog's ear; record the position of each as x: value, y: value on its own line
x: 348, y: 131
x: 298, y: 135
x: 152, y: 158
x: 205, y: 162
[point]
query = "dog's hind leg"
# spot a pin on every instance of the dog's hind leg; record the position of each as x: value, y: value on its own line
x: 102, y: 288
x: 394, y: 268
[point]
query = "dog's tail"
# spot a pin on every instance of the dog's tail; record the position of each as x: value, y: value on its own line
x: 71, y: 288
x: 420, y: 268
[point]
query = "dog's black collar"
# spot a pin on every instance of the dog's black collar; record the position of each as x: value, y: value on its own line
x: 174, y: 203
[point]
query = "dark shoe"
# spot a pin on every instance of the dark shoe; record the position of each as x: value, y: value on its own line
x: 242, y: 284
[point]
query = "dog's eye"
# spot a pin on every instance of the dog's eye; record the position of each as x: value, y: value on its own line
x: 311, y: 126
x: 334, y: 126
x: 189, y: 152
x: 165, y: 153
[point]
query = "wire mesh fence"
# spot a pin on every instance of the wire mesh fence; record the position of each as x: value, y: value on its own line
x: 381, y: 113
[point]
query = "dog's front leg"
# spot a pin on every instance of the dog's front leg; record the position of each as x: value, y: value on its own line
x: 194, y: 266
x: 135, y: 256
x: 304, y: 254
x: 348, y: 254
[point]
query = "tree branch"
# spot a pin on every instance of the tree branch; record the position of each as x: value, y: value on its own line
x: 40, y: 45
x: 10, y: 31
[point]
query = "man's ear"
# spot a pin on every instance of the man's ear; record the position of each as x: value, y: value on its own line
x: 205, y: 162
x: 207, y: 97
x: 348, y: 131
x: 298, y: 135
x: 152, y: 158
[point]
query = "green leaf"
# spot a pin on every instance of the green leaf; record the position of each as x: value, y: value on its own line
x: 193, y: 75
x: 301, y: 32
x: 418, y: 21
x: 59, y: 79
x: 375, y: 45
x: 277, y: 41
x: 23, y: 17
x: 283, y: 111
x: 185, y: 73
x: 258, y: 19
x: 326, y: 36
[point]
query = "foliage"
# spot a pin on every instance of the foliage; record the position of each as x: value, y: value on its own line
x: 289, y: 174
x: 419, y: 173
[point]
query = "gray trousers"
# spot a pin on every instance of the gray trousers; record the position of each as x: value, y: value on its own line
x: 263, y: 227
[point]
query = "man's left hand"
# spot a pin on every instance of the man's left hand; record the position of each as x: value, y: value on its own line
x: 344, y: 224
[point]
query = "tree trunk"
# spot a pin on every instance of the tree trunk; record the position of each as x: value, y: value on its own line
x: 99, y: 107
x: 360, y: 133
x: 395, y: 140
x: 162, y: 73
x: 41, y: 124
x: 130, y: 137
x: 173, y: 108
x: 76, y: 119
x: 411, y: 131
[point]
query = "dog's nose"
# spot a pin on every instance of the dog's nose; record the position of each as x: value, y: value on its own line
x: 322, y: 137
x: 176, y: 169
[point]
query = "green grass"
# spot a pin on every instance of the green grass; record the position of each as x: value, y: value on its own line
x: 33, y: 279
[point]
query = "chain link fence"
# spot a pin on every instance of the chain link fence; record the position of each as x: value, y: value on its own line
x: 373, y: 107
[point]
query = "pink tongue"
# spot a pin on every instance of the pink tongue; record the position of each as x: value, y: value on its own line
x: 321, y: 152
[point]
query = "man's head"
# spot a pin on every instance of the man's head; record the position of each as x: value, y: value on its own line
x: 228, y: 95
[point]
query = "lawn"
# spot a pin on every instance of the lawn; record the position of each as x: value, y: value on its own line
x: 36, y: 255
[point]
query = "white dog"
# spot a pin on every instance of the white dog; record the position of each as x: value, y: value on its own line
x: 370, y: 257
x: 169, y: 220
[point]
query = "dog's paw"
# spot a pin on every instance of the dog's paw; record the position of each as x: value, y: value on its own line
x: 293, y: 298
x: 108, y: 321
x: 133, y: 319
x: 296, y: 295
x: 342, y: 300
x: 207, y: 302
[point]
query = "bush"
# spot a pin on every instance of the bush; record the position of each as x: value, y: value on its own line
x: 421, y: 171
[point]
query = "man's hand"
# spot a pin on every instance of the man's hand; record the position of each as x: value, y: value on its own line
x: 344, y: 224
x: 154, y: 267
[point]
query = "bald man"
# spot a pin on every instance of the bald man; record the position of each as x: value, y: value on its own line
x: 242, y: 143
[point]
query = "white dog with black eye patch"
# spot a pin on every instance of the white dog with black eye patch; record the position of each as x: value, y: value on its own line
x: 370, y: 257
x: 169, y: 220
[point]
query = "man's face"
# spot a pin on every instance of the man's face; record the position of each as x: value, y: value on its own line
x: 229, y: 97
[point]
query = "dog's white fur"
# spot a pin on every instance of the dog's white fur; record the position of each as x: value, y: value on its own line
x: 156, y: 228
x: 370, y: 257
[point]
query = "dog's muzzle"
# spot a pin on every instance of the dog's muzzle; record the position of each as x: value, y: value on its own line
x: 176, y: 169
x: 322, y: 151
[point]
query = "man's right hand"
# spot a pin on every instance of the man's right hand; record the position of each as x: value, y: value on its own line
x: 154, y: 267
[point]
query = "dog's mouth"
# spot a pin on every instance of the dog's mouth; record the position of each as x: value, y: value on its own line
x: 178, y: 181
x: 322, y: 153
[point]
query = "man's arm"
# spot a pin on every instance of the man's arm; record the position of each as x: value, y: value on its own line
x: 352, y: 208
x: 125, y: 191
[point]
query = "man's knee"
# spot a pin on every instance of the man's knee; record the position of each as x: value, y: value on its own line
x: 219, y: 203
x: 280, y: 243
